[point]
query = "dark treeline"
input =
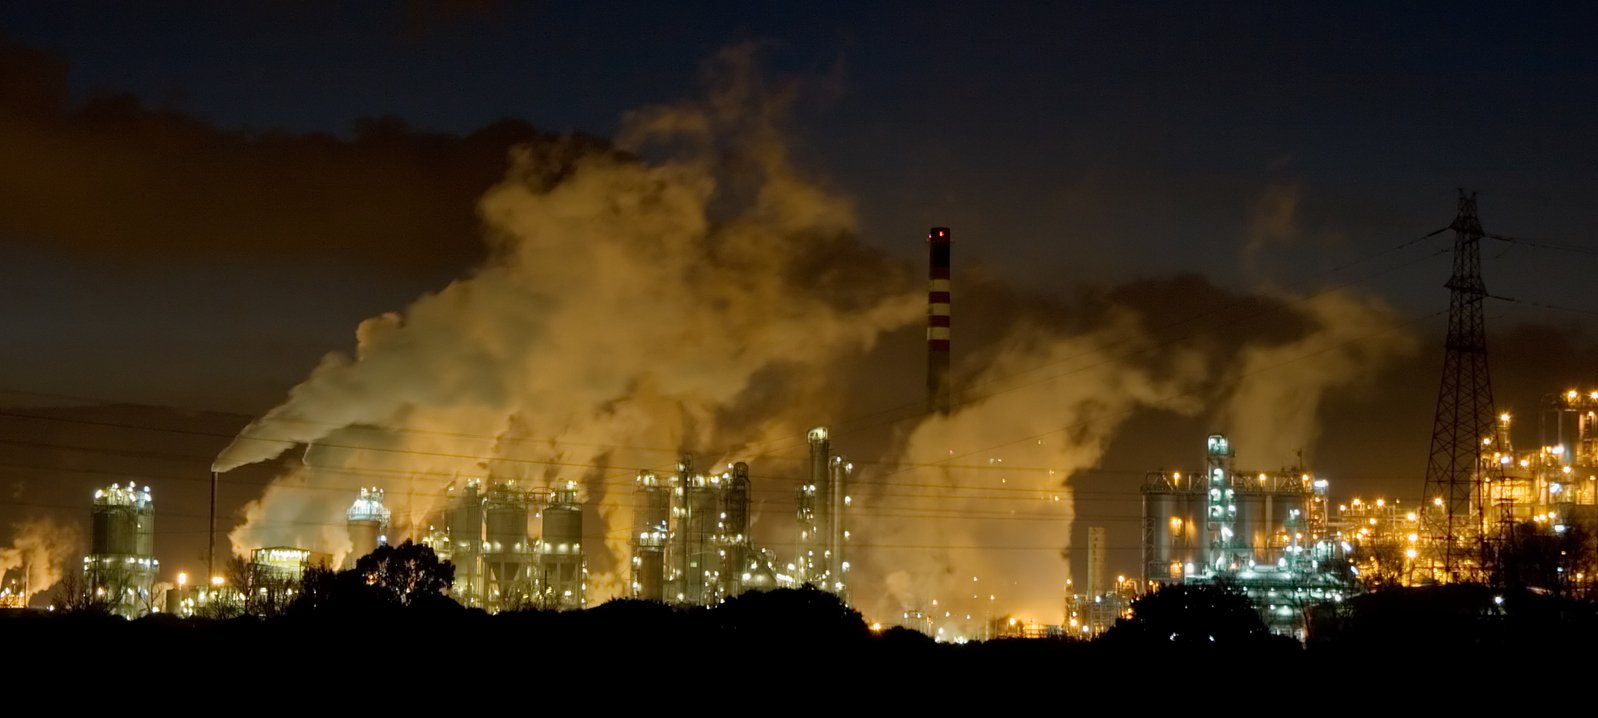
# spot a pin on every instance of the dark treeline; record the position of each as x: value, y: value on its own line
x: 390, y: 616
x: 774, y: 632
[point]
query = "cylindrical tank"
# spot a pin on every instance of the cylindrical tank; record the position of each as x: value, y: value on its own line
x: 113, y: 530
x: 820, y: 456
x: 367, y: 523
x: 465, y: 523
x: 1173, y: 517
x: 363, y: 538
x: 836, y: 487
x: 505, y: 516
x: 563, y: 529
x: 123, y: 522
x: 561, y: 550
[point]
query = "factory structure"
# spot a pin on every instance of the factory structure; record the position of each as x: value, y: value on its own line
x: 691, y: 533
x: 367, y: 523
x: 499, y: 564
x: 1267, y: 532
x: 120, y: 568
x: 1554, y: 483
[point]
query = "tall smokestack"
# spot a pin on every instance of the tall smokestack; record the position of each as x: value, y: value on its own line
x: 938, y: 241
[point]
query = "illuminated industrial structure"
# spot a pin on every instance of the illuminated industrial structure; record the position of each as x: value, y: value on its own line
x: 120, y: 568
x: 1555, y: 483
x: 498, y: 564
x: 367, y: 522
x: 651, y: 528
x: 1265, y: 531
x: 692, y: 541
x: 691, y: 533
x: 508, y: 554
x: 564, y: 576
x: 820, y: 559
x: 14, y: 588
x: 286, y: 563
x: 460, y: 541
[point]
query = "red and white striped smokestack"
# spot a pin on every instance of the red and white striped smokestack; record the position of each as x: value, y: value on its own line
x: 938, y: 242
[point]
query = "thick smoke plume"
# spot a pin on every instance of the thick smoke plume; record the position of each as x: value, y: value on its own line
x: 982, y: 529
x: 716, y: 300
x: 1275, y: 406
x: 43, y: 548
x: 620, y: 316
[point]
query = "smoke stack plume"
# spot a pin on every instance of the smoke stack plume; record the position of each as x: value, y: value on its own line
x: 938, y: 242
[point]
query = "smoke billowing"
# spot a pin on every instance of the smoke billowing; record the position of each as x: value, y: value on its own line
x: 1274, y: 409
x: 44, y: 549
x: 620, y: 317
x: 704, y: 294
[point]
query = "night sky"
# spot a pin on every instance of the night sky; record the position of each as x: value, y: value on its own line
x: 198, y: 201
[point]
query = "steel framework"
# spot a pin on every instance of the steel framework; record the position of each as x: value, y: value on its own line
x: 1453, y: 503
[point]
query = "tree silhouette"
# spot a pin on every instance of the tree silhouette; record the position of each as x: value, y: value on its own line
x: 1558, y: 563
x: 1192, y: 615
x: 406, y: 574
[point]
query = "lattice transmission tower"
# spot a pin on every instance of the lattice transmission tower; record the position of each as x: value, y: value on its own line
x: 1455, y: 502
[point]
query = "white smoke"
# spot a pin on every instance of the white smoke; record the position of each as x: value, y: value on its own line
x: 616, y: 321
x: 709, y: 300
x: 1278, y: 389
x: 998, y: 488
x: 43, y: 548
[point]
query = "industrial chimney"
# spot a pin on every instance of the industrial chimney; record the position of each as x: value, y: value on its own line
x: 938, y: 241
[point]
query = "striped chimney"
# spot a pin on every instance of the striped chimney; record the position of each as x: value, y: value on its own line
x: 938, y: 242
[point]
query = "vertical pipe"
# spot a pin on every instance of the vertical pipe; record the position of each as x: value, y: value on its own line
x: 938, y: 244
x: 840, y: 480
x: 812, y: 554
x: 210, y: 550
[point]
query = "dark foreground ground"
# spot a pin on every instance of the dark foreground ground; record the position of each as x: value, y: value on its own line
x: 787, y: 641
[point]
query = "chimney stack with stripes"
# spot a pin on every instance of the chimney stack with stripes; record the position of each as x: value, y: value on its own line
x: 938, y: 241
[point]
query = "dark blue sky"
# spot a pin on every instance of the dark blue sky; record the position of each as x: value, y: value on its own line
x: 205, y: 243
x: 1255, y: 143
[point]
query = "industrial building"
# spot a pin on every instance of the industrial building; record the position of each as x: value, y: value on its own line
x: 1556, y: 482
x: 499, y: 565
x: 14, y: 588
x: 1264, y: 531
x: 821, y: 502
x: 691, y: 540
x: 691, y: 533
x: 367, y: 521
x: 120, y: 568
x: 286, y: 563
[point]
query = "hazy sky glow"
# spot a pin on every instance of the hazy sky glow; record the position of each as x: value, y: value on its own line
x: 199, y: 203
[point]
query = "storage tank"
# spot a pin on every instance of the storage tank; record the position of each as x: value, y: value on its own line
x: 122, y: 545
x: 123, y: 522
x: 367, y: 522
x: 1173, y: 520
x: 560, y: 555
x: 507, y: 549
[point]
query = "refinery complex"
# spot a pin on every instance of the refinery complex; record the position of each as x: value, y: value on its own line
x: 1283, y: 535
x: 1278, y: 534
